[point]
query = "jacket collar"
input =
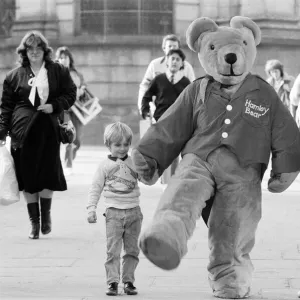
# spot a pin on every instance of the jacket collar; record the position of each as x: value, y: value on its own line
x: 116, y: 158
x: 176, y: 76
x: 162, y: 59
x: 249, y: 84
x: 50, y: 75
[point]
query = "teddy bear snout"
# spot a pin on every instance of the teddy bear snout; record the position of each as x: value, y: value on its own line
x: 230, y: 58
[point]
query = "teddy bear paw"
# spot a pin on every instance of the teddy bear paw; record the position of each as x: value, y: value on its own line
x: 278, y: 183
x: 232, y: 293
x: 145, y: 166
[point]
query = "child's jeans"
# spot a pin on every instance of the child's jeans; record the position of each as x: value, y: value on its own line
x: 122, y: 225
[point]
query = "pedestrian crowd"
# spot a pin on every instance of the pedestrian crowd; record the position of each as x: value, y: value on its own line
x: 41, y: 89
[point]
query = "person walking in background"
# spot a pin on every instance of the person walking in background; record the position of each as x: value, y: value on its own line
x: 279, y: 80
x: 295, y: 99
x: 118, y: 180
x: 34, y: 94
x: 166, y: 87
x: 65, y: 57
x: 159, y: 65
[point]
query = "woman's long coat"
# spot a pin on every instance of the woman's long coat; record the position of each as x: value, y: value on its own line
x: 17, y: 112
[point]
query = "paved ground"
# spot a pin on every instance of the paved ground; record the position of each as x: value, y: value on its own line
x: 68, y: 263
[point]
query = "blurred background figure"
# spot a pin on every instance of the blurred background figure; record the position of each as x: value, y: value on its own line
x: 295, y: 99
x: 159, y: 65
x: 166, y: 87
x: 279, y: 80
x: 65, y: 57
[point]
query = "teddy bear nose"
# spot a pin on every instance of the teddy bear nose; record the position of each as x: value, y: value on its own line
x: 230, y: 58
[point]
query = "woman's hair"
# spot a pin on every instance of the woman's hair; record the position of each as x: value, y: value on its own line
x: 28, y: 40
x: 116, y: 132
x: 274, y: 64
x: 66, y: 51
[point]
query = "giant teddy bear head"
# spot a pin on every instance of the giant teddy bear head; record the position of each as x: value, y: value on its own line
x: 227, y: 53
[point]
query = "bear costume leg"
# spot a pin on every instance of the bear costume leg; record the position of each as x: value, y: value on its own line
x: 233, y: 221
x: 164, y: 242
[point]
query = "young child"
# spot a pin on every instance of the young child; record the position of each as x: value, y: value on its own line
x: 118, y: 180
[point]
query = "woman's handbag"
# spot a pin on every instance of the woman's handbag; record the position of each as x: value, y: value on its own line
x: 9, y: 188
x: 67, y: 132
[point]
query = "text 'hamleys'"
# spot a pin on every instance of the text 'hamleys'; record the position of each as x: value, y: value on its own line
x: 254, y: 110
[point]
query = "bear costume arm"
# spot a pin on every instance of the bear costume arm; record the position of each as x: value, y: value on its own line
x: 165, y: 139
x: 285, y: 144
x: 285, y: 150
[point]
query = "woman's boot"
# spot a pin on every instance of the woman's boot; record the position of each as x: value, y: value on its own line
x: 45, y: 214
x: 34, y: 216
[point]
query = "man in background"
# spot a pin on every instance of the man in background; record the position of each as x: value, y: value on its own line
x: 159, y: 65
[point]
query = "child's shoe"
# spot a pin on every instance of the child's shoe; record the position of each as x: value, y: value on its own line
x: 129, y: 288
x: 112, y: 289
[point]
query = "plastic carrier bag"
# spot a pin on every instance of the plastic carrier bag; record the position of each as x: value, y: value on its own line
x: 9, y: 188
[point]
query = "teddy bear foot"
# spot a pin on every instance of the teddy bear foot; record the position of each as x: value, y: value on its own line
x: 232, y: 294
x: 160, y: 252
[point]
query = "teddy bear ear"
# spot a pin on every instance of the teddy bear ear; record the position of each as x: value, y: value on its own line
x: 240, y: 22
x: 196, y: 28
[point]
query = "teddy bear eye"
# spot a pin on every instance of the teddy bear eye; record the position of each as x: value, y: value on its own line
x: 245, y: 43
x: 212, y: 47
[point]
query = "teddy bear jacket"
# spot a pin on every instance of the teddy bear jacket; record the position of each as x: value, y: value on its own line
x: 252, y: 123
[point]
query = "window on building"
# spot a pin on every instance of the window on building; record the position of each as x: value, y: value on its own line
x: 127, y: 17
x: 7, y: 16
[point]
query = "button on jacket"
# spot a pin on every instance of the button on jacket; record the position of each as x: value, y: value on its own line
x: 252, y: 123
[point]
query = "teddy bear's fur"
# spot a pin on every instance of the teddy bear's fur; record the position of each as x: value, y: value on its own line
x: 225, y: 125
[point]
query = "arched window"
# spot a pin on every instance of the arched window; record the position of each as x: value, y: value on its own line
x: 127, y: 17
x: 7, y: 16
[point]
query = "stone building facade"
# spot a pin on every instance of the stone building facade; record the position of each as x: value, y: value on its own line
x: 114, y: 40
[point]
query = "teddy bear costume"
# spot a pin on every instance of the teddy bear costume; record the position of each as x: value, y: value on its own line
x: 225, y: 125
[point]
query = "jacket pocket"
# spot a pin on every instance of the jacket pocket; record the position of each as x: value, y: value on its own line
x: 256, y: 112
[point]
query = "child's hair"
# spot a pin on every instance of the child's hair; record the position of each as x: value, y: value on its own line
x: 116, y: 132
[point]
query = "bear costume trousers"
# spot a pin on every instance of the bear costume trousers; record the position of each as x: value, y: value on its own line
x: 232, y: 224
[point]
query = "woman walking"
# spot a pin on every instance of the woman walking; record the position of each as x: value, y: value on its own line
x: 34, y: 94
x: 65, y: 57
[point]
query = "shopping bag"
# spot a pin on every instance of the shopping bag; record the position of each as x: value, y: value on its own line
x: 87, y: 109
x: 9, y: 189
